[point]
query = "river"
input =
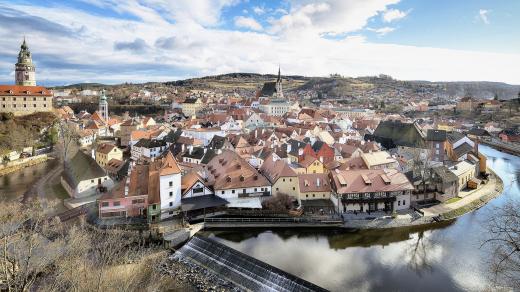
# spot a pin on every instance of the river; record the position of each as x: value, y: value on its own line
x: 445, y: 257
x: 14, y: 185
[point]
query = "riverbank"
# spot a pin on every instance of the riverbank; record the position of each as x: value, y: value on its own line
x: 441, y: 212
x: 20, y: 164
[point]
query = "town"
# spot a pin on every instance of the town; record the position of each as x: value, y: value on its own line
x: 174, y: 159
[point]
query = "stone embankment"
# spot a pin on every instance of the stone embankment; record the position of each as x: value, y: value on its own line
x: 22, y: 163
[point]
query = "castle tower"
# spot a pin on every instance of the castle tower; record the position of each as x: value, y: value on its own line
x: 279, y: 90
x: 103, y: 106
x: 25, y: 74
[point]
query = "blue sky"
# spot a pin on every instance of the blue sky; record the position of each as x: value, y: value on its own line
x: 115, y: 41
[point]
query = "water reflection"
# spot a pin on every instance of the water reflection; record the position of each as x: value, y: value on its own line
x: 443, y: 257
x: 14, y: 185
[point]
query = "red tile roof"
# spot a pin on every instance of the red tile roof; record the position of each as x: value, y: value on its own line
x: 18, y: 90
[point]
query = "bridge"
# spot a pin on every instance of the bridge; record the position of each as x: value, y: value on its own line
x: 271, y: 222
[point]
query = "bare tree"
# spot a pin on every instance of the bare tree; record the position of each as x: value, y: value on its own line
x: 422, y: 166
x: 503, y: 230
x: 68, y: 139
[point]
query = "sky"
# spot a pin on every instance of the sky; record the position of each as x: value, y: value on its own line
x: 115, y: 41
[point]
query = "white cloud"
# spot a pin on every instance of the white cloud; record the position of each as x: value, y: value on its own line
x: 259, y: 10
x: 155, y: 48
x: 329, y: 16
x: 247, y: 22
x: 483, y: 15
x: 394, y: 14
x: 382, y: 31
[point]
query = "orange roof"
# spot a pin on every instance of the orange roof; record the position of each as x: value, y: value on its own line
x: 169, y: 165
x: 18, y: 90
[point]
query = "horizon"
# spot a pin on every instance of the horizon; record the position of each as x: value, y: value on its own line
x: 114, y: 41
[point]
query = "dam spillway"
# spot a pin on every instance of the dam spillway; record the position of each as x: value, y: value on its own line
x: 244, y: 271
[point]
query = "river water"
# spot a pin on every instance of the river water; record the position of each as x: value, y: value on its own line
x: 14, y: 185
x: 445, y: 257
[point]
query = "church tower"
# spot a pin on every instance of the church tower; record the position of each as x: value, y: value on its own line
x: 279, y: 90
x: 25, y: 74
x: 103, y: 106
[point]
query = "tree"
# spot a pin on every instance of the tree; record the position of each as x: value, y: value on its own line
x: 422, y: 166
x: 68, y: 139
x: 51, y: 136
x: 504, y: 242
x: 279, y: 203
x: 41, y: 253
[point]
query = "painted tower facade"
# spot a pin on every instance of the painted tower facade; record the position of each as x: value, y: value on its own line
x: 25, y: 74
x: 103, y: 106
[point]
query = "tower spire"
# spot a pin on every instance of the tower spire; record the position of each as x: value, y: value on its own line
x: 25, y: 72
x: 279, y: 90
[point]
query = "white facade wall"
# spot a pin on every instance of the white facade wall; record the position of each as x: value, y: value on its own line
x: 170, y: 192
x: 228, y: 194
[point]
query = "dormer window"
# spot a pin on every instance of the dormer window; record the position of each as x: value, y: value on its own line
x: 242, y: 178
x: 228, y: 178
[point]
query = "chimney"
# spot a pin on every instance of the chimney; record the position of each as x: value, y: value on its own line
x: 321, y: 159
x: 318, y: 182
x: 300, y: 152
x: 93, y: 154
x: 288, y: 147
x: 190, y: 149
x: 182, y: 147
x: 205, y: 150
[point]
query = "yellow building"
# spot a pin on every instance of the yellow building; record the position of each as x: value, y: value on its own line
x: 191, y: 106
x: 106, y: 152
x: 312, y: 165
x: 314, y: 186
x: 283, y: 179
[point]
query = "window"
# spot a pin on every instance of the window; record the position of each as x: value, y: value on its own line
x: 92, y: 181
x: 306, y: 196
x: 293, y: 188
x: 117, y: 203
x: 34, y: 98
x: 284, y: 179
x: 171, y: 204
x: 171, y: 184
x: 105, y: 204
x: 404, y: 202
x: 171, y: 194
x: 171, y: 212
x: 25, y: 99
x: 277, y: 189
x: 24, y: 105
x: 398, y: 203
x: 256, y: 189
x: 232, y: 191
x: 222, y: 192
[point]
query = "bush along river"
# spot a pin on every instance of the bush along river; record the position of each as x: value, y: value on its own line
x: 443, y: 257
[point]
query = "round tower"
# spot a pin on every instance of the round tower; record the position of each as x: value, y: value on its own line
x: 25, y: 74
x: 103, y: 106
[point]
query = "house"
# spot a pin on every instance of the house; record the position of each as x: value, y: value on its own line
x: 314, y: 186
x: 83, y: 177
x: 127, y: 199
x: 379, y: 160
x: 281, y: 176
x: 254, y: 121
x: 198, y: 155
x: 233, y: 179
x: 194, y: 185
x: 312, y: 165
x: 396, y: 134
x: 323, y: 152
x: 445, y: 182
x: 126, y: 129
x: 370, y: 190
x: 148, y: 149
x: 436, y: 140
x: 191, y: 106
x: 464, y: 171
x: 510, y: 135
x: 106, y: 152
x: 86, y: 138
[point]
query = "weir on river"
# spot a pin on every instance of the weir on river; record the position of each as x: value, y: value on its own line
x: 244, y: 271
